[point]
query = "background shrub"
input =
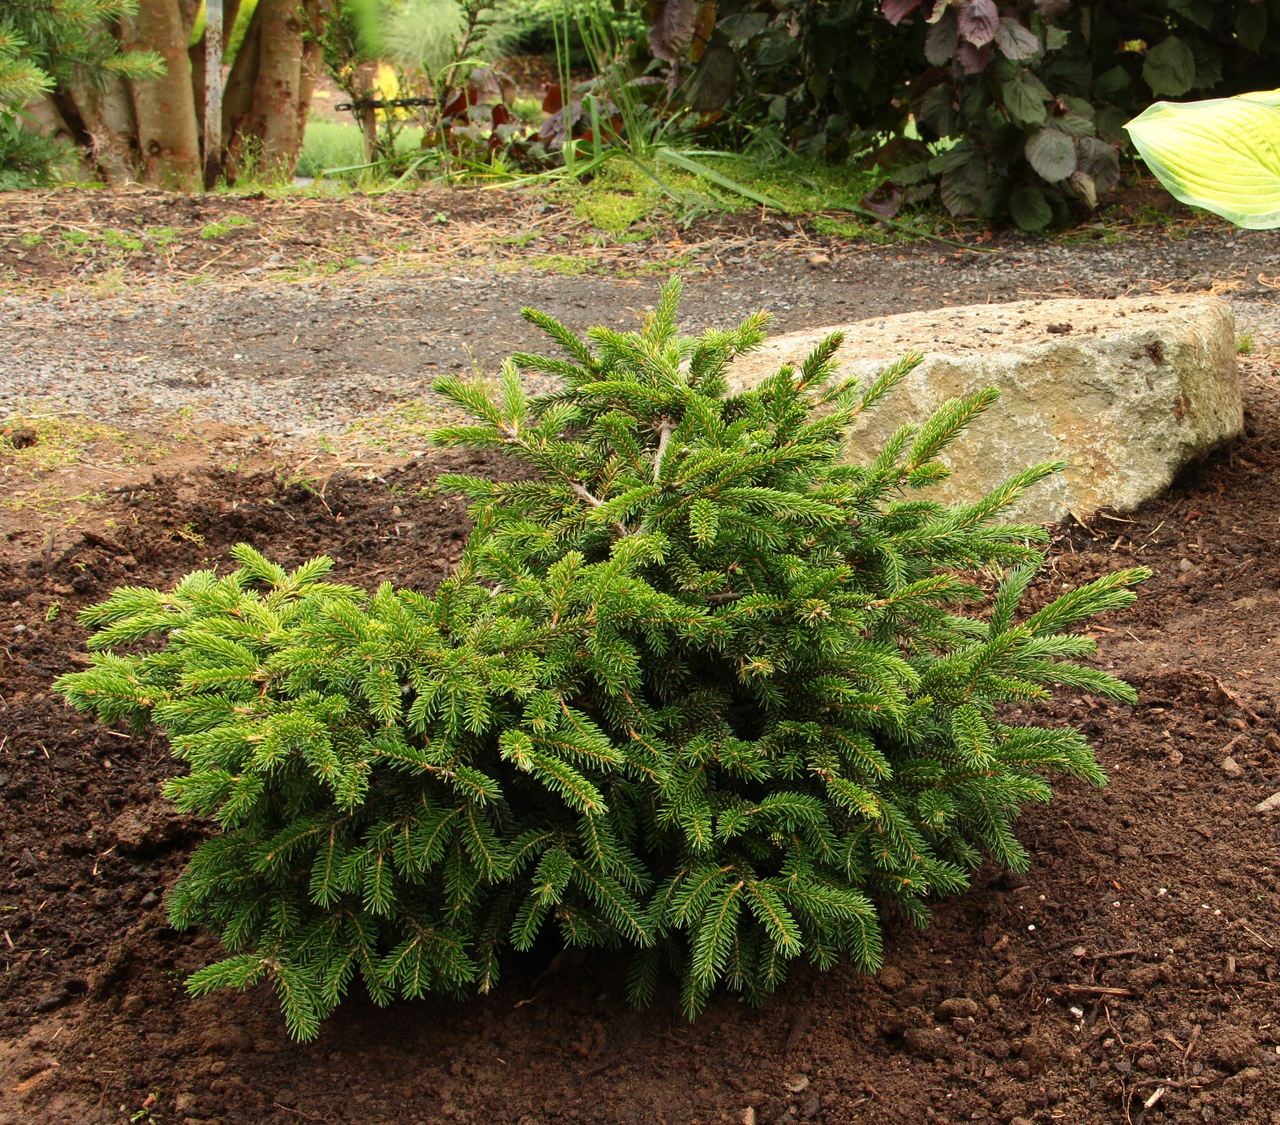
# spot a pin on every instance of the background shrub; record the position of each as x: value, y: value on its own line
x: 1020, y: 103
x: 701, y: 691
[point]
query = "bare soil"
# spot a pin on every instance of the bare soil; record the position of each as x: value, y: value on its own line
x: 1133, y: 975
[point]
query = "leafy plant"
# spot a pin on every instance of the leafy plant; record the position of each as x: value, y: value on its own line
x: 437, y: 52
x: 624, y: 112
x: 822, y: 80
x: 698, y: 689
x: 1222, y: 154
x: 1012, y: 108
x: 1035, y: 92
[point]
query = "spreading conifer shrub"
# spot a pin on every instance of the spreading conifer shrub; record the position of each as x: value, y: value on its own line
x: 701, y: 690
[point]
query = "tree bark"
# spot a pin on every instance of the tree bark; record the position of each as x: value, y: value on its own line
x: 269, y: 90
x: 101, y: 117
x: 46, y: 116
x: 198, y: 51
x: 168, y: 135
x: 211, y: 98
x: 366, y: 83
x: 151, y: 131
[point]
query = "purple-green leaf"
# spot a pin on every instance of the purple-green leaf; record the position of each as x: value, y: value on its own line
x: 1052, y: 154
x: 1029, y: 209
x: 940, y: 44
x: 973, y: 60
x: 1170, y: 67
x: 895, y: 11
x: 1015, y: 41
x: 1024, y: 96
x: 671, y: 30
x: 978, y: 21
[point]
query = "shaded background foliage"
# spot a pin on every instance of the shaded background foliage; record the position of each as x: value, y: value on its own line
x: 999, y: 108
x: 995, y: 108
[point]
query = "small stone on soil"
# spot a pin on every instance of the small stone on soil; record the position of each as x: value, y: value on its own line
x: 929, y: 1042
x: 1231, y: 1048
x: 1231, y: 767
x: 958, y: 1007
x: 892, y: 979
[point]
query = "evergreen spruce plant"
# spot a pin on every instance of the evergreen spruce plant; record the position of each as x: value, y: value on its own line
x: 44, y: 43
x: 701, y: 690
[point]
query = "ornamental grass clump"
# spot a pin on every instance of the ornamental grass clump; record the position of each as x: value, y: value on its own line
x: 700, y: 690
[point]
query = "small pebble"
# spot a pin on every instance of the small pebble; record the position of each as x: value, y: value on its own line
x: 1231, y: 767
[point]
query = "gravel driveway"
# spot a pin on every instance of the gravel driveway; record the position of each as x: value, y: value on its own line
x: 306, y: 358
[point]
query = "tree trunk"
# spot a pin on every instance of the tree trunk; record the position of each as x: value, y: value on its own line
x: 46, y: 116
x: 269, y: 90
x: 168, y: 136
x: 151, y: 131
x: 211, y: 99
x: 101, y: 117
x: 198, y: 51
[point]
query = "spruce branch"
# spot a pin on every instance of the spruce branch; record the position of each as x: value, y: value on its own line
x: 696, y: 688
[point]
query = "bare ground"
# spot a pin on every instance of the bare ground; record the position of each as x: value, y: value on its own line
x: 164, y: 405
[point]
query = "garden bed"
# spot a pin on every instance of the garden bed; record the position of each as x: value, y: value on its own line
x: 1138, y: 964
x: 1152, y: 973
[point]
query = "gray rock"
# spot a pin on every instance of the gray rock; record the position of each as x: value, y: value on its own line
x: 1125, y: 391
x: 1231, y: 767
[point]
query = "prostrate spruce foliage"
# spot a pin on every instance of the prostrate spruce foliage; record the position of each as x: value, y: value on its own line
x: 701, y: 691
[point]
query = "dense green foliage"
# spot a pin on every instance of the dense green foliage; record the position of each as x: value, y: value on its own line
x: 699, y: 689
x: 1023, y: 100
x: 43, y: 42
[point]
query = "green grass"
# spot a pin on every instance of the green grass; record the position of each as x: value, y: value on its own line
x: 120, y: 240
x: 76, y: 241
x: 337, y: 144
x: 224, y: 227
x: 161, y: 237
x: 1244, y: 343
x: 563, y: 265
x: 40, y: 442
x: 523, y: 239
x: 624, y: 193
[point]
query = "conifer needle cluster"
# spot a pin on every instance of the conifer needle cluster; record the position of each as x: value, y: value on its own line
x: 701, y: 689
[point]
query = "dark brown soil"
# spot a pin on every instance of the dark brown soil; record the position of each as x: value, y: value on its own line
x: 63, y: 239
x: 1133, y: 975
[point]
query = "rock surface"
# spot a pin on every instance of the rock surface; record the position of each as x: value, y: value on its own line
x: 1126, y: 391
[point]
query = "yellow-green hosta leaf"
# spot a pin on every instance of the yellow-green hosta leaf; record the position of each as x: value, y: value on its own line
x: 1222, y: 154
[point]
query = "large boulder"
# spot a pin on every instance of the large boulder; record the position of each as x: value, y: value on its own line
x: 1126, y: 391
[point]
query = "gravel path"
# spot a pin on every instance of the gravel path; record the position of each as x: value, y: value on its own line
x: 306, y: 358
